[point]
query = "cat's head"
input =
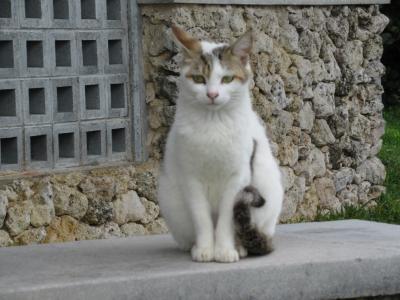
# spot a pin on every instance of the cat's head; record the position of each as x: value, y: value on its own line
x: 214, y: 74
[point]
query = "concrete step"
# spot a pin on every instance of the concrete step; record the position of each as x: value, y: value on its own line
x: 331, y: 260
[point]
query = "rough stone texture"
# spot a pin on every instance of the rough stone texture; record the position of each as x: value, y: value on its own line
x: 329, y: 260
x: 65, y: 207
x: 317, y: 87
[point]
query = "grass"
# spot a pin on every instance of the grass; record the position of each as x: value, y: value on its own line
x: 388, y: 206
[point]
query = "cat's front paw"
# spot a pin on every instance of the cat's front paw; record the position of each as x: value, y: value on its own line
x: 226, y: 255
x: 242, y: 251
x: 202, y: 254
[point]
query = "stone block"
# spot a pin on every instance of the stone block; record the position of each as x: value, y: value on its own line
x: 37, y: 101
x: 92, y: 97
x: 39, y: 147
x: 118, y: 140
x: 66, y: 145
x: 65, y: 94
x: 117, y: 95
x: 10, y: 149
x: 93, y: 142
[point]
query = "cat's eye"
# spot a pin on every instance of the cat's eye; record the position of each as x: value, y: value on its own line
x: 227, y: 79
x: 198, y: 79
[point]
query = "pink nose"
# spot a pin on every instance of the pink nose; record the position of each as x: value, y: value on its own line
x: 212, y: 95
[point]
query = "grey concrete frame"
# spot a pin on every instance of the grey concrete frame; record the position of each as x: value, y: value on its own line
x: 12, y: 22
x: 90, y: 36
x: 34, y: 36
x: 117, y: 79
x: 139, y: 124
x: 92, y: 114
x: 93, y: 126
x: 66, y: 128
x: 63, y: 36
x: 118, y: 124
x: 36, y: 131
x: 64, y: 23
x: 62, y: 82
x: 16, y: 70
x: 115, y: 35
x: 36, y: 119
x: 12, y: 84
x: 12, y: 133
x: 90, y: 23
x: 110, y: 24
x: 28, y: 23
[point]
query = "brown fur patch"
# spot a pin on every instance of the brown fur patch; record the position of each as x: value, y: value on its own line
x: 202, y: 64
x: 186, y: 40
x: 256, y: 242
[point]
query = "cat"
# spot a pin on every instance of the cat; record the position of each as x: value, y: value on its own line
x: 210, y: 156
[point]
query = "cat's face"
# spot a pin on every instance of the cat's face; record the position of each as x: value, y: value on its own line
x: 214, y: 74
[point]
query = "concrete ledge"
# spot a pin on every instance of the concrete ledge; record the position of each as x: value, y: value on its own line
x: 267, y: 2
x: 332, y: 260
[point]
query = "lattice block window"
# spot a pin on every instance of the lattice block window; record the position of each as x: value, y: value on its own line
x: 117, y: 92
x: 118, y: 142
x: 93, y: 104
x: 116, y: 46
x: 39, y: 147
x: 5, y: 9
x: 10, y: 105
x: 34, y: 13
x: 9, y: 64
x: 90, y: 53
x: 61, y: 9
x: 93, y: 137
x: 65, y: 84
x: 35, y: 47
x: 65, y: 97
x: 66, y: 145
x: 10, y: 148
x: 36, y: 97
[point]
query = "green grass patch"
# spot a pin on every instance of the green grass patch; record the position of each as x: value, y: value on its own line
x: 388, y: 206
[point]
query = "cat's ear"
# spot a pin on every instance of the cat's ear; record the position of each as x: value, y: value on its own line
x: 189, y: 44
x: 242, y: 47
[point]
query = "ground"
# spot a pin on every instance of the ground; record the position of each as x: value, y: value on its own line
x: 388, y: 206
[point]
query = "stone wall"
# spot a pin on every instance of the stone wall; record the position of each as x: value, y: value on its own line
x: 101, y: 203
x: 316, y: 86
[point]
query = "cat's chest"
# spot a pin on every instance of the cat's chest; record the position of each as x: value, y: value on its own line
x: 216, y: 148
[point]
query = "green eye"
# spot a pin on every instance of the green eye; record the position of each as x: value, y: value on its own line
x: 227, y: 79
x: 199, y: 79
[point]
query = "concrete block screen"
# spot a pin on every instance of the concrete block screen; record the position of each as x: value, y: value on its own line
x: 63, y: 78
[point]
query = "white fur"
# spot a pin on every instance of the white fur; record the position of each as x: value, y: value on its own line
x: 207, y: 163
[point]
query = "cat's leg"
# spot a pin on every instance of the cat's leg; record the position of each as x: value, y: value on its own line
x: 225, y: 250
x: 200, y: 212
x: 175, y: 212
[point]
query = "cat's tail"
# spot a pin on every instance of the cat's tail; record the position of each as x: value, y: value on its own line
x: 252, y: 239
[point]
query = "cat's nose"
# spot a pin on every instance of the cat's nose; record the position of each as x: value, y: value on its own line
x: 212, y: 95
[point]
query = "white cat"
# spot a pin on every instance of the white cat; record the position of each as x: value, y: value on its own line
x: 216, y: 147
